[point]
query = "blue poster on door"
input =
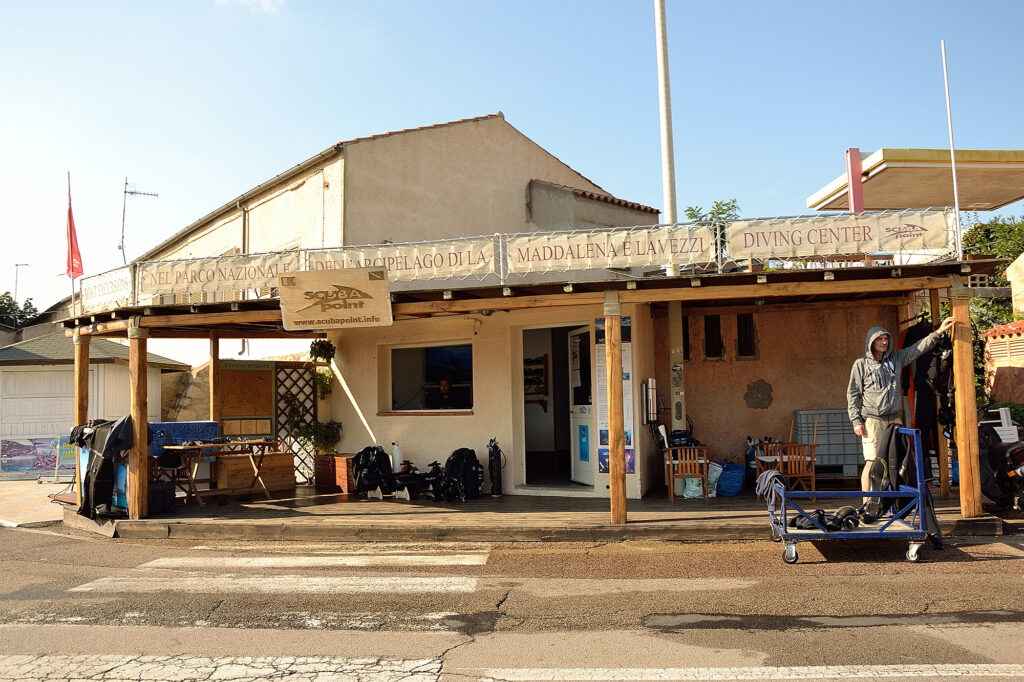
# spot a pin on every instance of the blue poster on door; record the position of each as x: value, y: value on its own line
x: 584, y: 437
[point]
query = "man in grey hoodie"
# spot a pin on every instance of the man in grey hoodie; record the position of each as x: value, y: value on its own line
x: 873, y: 398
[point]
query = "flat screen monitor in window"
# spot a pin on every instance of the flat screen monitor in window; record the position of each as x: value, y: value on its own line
x: 432, y: 378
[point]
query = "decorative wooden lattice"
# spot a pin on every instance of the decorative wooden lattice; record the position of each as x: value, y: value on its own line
x: 296, y: 379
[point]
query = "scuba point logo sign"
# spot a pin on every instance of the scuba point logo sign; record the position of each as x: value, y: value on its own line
x: 338, y: 298
x: 906, y: 230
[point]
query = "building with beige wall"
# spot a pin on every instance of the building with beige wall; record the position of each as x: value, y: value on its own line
x: 476, y: 176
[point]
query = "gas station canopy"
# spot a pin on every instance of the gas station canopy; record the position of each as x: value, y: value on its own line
x: 921, y: 178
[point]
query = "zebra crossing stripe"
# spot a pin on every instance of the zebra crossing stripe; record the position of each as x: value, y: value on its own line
x: 45, y: 668
x: 319, y: 561
x: 276, y: 584
x: 819, y: 672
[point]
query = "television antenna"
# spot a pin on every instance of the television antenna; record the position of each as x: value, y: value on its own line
x: 129, y: 190
x: 16, y: 266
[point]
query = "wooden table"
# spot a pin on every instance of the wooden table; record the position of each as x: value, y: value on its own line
x: 253, y: 450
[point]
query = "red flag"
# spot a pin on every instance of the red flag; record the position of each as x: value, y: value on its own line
x: 74, y: 256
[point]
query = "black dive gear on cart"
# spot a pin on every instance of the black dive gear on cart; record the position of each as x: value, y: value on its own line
x: 896, y: 449
x: 105, y: 440
x: 495, y: 463
x: 463, y: 476
x: 371, y: 468
x: 432, y: 482
x: 913, y: 520
x: 1000, y: 467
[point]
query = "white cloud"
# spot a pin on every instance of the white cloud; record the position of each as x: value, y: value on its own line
x: 266, y: 6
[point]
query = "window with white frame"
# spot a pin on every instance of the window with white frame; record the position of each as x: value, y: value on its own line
x: 432, y: 378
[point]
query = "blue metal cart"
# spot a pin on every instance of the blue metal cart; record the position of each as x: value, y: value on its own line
x: 909, y: 523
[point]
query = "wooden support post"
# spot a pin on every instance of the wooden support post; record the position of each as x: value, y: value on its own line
x: 81, y: 398
x: 214, y: 377
x: 966, y: 403
x: 137, y: 486
x: 613, y: 378
x: 943, y: 446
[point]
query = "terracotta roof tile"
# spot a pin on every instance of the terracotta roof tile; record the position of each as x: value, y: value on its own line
x: 1011, y: 329
x: 594, y: 196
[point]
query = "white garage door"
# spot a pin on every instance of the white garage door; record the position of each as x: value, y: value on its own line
x: 39, y: 402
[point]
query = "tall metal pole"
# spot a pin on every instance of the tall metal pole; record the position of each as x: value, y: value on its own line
x: 668, y: 172
x: 668, y: 190
x: 69, y: 247
x: 952, y: 158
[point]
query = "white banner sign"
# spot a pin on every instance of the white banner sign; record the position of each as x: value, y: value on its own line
x: 560, y: 251
x: 845, y: 234
x: 404, y: 262
x: 223, y: 273
x: 108, y: 291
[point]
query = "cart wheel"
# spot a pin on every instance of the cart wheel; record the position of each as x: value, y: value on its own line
x: 789, y: 554
x: 914, y: 553
x: 774, y: 534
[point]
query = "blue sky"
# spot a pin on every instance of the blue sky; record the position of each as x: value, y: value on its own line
x: 200, y: 101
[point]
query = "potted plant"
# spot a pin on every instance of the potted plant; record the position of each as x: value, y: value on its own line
x: 324, y: 383
x: 321, y: 436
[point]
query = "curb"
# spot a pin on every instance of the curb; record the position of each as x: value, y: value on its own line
x: 30, y: 524
x: 155, y: 529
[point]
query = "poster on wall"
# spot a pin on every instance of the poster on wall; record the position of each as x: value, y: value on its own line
x: 584, y: 443
x: 603, y: 465
x: 36, y: 454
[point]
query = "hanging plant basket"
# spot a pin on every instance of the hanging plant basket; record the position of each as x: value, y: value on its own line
x: 322, y: 349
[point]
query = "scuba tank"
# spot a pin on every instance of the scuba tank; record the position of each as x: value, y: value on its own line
x: 396, y: 457
x: 494, y: 466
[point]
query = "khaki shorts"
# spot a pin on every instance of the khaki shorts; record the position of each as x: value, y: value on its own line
x: 875, y: 429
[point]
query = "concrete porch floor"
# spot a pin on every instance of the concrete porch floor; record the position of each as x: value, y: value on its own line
x: 305, y: 515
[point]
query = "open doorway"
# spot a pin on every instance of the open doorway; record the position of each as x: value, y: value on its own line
x: 557, y: 399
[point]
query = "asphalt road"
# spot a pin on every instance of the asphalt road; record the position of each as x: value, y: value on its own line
x: 82, y: 607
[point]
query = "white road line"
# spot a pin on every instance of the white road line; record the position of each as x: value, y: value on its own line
x: 239, y: 669
x: 319, y: 561
x: 281, y: 547
x: 583, y: 587
x: 763, y: 673
x: 276, y: 584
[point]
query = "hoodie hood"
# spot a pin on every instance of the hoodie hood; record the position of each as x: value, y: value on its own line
x: 873, y: 334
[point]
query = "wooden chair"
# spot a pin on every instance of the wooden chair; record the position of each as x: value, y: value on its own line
x: 797, y: 464
x: 766, y: 457
x: 681, y: 462
x: 799, y: 460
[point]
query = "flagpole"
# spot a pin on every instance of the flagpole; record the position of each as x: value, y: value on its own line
x: 952, y: 157
x: 72, y: 278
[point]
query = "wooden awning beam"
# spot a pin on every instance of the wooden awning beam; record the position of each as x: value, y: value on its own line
x: 171, y: 325
x: 703, y: 293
